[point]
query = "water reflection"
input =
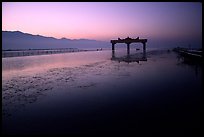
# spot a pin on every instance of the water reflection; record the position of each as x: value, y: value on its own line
x: 130, y: 58
x: 104, y: 96
x: 30, y: 65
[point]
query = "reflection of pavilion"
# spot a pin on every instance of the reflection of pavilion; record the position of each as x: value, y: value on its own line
x: 129, y: 58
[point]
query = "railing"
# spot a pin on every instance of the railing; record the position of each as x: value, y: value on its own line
x: 17, y: 53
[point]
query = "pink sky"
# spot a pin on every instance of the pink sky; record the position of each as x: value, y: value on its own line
x: 104, y: 21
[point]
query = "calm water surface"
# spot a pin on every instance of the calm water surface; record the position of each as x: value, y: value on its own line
x: 88, y: 93
x: 36, y: 64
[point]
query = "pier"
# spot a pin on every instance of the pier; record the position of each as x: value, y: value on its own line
x: 128, y: 41
x: 32, y: 52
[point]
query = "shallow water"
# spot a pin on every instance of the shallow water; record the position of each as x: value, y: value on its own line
x: 30, y: 65
x: 92, y: 93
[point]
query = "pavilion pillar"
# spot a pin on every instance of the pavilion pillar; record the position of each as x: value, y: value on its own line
x: 113, y: 46
x: 128, y: 48
x: 144, y: 49
x: 113, y: 54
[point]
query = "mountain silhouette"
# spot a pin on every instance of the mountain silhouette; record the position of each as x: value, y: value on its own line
x: 18, y: 40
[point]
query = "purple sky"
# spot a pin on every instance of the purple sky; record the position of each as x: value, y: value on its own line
x: 105, y: 21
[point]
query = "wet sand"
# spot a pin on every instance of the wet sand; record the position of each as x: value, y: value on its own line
x: 158, y: 96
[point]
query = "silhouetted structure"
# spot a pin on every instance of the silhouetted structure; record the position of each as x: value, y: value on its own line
x: 128, y: 41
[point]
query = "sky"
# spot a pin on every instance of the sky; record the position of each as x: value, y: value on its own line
x: 105, y: 20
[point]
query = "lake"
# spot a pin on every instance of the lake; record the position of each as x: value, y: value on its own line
x: 100, y: 92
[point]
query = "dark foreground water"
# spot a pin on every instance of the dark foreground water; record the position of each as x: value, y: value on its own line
x: 98, y: 93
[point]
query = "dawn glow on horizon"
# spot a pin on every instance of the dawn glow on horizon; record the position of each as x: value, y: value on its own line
x: 104, y: 20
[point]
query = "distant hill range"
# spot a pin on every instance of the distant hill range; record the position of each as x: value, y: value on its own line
x: 12, y: 40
